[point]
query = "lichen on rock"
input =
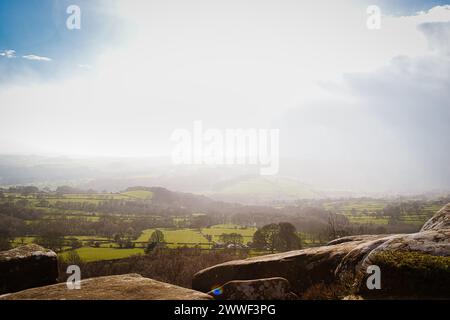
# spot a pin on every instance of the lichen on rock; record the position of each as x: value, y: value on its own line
x: 412, y: 265
x: 27, y: 267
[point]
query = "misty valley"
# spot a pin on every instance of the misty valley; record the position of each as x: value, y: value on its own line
x: 169, y: 236
x: 212, y: 152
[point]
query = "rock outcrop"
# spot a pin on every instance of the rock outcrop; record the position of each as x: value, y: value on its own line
x: 411, y: 265
x: 27, y: 267
x: 439, y: 221
x: 121, y: 287
x: 260, y: 289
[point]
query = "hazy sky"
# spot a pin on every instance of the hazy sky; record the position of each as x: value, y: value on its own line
x: 352, y: 104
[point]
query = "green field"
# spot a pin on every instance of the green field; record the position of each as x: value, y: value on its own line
x: 88, y: 254
x: 87, y: 238
x: 95, y: 198
x: 363, y: 219
x: 139, y: 194
x: 71, y: 216
x: 367, y: 212
x: 22, y: 241
x: 265, y: 187
x: 191, y: 237
x: 217, y: 230
x: 179, y: 233
x: 178, y: 238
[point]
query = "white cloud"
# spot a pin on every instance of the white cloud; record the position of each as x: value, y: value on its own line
x: 8, y: 53
x: 36, y: 58
x: 395, y: 132
x: 438, y: 35
x: 236, y: 67
x: 85, y: 66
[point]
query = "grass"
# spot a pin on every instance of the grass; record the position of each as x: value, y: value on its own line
x: 346, y: 207
x: 53, y: 201
x: 190, y: 237
x: 70, y: 216
x: 413, y: 260
x: 217, y: 230
x: 226, y: 226
x: 368, y: 219
x: 87, y: 238
x: 139, y: 194
x: 81, y: 198
x: 177, y: 238
x: 364, y: 212
x: 88, y: 254
x: 26, y: 240
x: 413, y: 274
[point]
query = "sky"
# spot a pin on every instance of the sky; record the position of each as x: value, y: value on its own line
x: 356, y: 108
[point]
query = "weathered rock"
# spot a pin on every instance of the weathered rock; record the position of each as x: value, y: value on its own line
x: 356, y: 238
x: 439, y: 221
x: 121, y: 287
x: 27, y: 267
x: 261, y: 289
x: 412, y: 265
x: 302, y: 268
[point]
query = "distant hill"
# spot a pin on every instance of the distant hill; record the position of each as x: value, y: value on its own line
x: 241, y: 184
x: 262, y: 189
x: 163, y: 196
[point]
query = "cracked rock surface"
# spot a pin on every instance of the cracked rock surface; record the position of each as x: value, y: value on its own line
x: 121, y: 287
x: 412, y: 265
x: 27, y: 267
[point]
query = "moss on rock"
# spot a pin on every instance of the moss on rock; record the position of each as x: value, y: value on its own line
x: 410, y: 273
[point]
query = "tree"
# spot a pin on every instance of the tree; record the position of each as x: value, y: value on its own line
x: 22, y: 203
x: 43, y: 203
x: 124, y: 241
x: 74, y: 243
x: 231, y: 238
x: 156, y: 240
x: 266, y: 237
x: 4, y: 240
x: 200, y: 221
x: 118, y: 238
x: 337, y: 226
x: 280, y: 237
x: 73, y: 258
x: 332, y: 227
x: 150, y: 247
x: 288, y: 238
x: 259, y: 240
x: 53, y: 240
x: 157, y: 236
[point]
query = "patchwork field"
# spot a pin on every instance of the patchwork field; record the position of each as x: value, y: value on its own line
x: 195, y: 237
x: 88, y: 209
x: 174, y: 238
x: 178, y: 238
x: 371, y: 212
x: 138, y: 194
x: 88, y: 254
x: 217, y: 230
